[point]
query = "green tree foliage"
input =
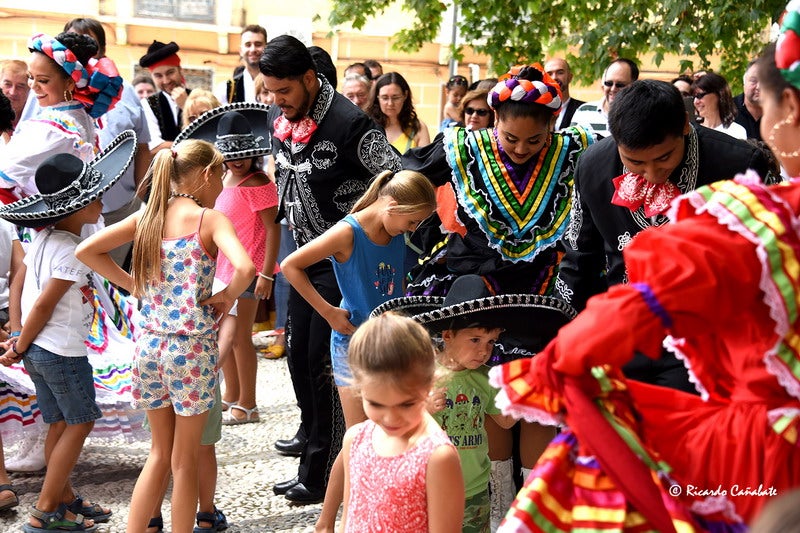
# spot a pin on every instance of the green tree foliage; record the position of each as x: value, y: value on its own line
x: 593, y: 31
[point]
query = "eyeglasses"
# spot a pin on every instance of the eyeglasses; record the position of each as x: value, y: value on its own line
x: 457, y: 80
x: 392, y: 99
x: 700, y: 96
x: 473, y: 111
x: 618, y: 85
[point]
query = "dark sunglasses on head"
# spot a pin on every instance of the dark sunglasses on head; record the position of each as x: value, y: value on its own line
x: 618, y: 85
x: 700, y: 96
x: 457, y: 80
x: 479, y: 112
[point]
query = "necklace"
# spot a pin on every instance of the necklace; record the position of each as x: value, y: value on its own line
x: 186, y: 195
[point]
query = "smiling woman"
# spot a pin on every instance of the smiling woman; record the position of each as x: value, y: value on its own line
x: 71, y: 88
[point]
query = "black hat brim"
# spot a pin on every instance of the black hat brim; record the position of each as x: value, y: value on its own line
x: 204, y: 128
x: 157, y: 54
x: 111, y: 163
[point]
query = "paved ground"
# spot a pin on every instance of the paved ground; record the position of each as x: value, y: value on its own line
x: 248, y: 467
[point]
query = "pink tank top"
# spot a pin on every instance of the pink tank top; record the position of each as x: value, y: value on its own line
x: 389, y: 493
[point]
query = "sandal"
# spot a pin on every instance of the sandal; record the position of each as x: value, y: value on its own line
x: 227, y: 405
x: 250, y: 416
x: 56, y: 521
x: 8, y: 503
x: 216, y: 519
x: 92, y: 511
x: 156, y: 522
x: 273, y: 352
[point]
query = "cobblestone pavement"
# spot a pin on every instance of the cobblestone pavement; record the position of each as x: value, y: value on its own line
x: 248, y: 467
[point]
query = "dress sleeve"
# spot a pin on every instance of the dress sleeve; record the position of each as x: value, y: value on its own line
x: 429, y: 160
x: 261, y: 197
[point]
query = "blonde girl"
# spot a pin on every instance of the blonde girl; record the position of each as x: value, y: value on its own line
x: 401, y: 471
x: 175, y: 243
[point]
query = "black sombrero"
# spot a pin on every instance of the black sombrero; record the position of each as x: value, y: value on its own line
x: 66, y: 184
x: 158, y: 51
x: 530, y: 318
x: 238, y: 130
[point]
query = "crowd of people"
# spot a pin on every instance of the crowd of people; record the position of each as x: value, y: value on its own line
x: 547, y: 315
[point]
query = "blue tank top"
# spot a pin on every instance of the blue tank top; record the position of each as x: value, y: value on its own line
x: 372, y: 275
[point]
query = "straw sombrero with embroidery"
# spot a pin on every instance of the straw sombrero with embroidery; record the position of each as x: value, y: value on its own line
x: 66, y: 184
x: 528, y: 318
x: 239, y: 130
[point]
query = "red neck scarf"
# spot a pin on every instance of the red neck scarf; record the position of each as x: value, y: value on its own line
x: 300, y: 131
x: 633, y: 191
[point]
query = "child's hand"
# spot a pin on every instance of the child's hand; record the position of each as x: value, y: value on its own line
x: 436, y: 400
x: 221, y: 302
x: 10, y: 356
x: 339, y: 320
x: 263, y: 288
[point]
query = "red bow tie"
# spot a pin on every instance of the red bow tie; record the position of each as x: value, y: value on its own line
x: 633, y: 191
x: 300, y: 131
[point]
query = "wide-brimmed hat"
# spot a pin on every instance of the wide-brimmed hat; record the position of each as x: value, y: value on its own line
x: 531, y: 318
x: 238, y: 130
x: 66, y: 184
x: 158, y: 52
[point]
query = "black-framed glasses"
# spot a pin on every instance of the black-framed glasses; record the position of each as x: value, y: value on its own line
x: 618, y: 85
x: 700, y: 96
x: 473, y: 111
x: 457, y: 81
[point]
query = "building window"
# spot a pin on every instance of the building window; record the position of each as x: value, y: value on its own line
x: 185, y: 10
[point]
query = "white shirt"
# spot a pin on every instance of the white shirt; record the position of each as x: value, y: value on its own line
x: 152, y: 121
x: 221, y: 90
x: 734, y: 130
x: 51, y: 255
x: 7, y: 237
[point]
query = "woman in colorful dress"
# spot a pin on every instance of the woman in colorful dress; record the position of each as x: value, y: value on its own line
x: 72, y: 89
x: 718, y: 286
x: 513, y: 187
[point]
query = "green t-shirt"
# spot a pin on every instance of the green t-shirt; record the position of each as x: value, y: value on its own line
x: 469, y: 399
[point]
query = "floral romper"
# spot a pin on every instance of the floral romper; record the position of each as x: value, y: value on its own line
x: 176, y: 354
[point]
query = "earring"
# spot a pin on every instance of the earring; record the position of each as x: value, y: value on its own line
x: 67, y: 95
x: 774, y: 146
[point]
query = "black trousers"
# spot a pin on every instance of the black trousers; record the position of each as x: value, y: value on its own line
x: 308, y: 342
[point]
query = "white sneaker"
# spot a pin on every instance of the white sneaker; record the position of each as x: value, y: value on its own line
x: 29, y: 456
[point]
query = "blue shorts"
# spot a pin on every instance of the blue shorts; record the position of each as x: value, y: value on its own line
x: 342, y: 376
x: 64, y: 386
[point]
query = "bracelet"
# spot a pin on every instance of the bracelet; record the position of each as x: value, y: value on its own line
x: 262, y: 275
x: 14, y: 347
x: 14, y: 334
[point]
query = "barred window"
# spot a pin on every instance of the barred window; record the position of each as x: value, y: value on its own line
x: 186, y: 10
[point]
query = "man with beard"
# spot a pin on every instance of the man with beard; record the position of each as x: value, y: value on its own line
x: 626, y: 183
x: 559, y: 70
x: 748, y: 103
x: 164, y: 109
x: 326, y: 151
x: 241, y: 88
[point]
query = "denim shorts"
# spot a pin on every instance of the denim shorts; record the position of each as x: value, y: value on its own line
x: 64, y: 386
x: 342, y: 376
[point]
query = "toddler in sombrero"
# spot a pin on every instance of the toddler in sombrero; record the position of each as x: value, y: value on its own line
x: 56, y: 315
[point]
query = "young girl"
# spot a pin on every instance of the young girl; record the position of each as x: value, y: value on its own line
x: 455, y: 89
x: 250, y: 200
x: 176, y: 240
x: 367, y: 248
x: 401, y: 472
x: 55, y: 318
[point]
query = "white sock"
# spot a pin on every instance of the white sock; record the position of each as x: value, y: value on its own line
x: 502, y: 490
x: 525, y: 473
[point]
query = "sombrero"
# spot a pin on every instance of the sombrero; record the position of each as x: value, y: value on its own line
x: 66, y: 184
x: 529, y: 318
x: 238, y: 130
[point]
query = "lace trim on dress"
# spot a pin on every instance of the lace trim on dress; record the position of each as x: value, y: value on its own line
x: 519, y: 410
x: 674, y: 345
x: 747, y: 188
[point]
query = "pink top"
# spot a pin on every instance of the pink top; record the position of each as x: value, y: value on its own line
x: 241, y: 205
x: 389, y: 493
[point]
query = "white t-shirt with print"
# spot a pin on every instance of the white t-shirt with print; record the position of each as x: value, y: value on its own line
x: 51, y: 255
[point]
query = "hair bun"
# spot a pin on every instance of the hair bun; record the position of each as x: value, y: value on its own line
x: 529, y: 84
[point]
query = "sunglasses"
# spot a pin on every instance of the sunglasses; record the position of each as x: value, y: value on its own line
x: 473, y: 111
x: 700, y: 96
x: 457, y: 80
x: 618, y: 85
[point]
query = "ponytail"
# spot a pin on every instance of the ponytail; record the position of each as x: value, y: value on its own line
x: 411, y: 190
x: 169, y: 169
